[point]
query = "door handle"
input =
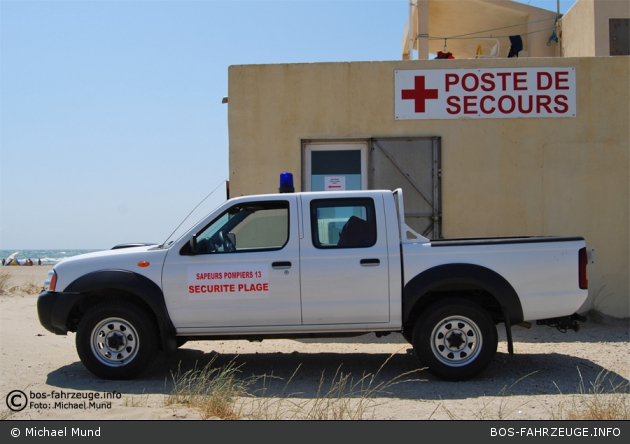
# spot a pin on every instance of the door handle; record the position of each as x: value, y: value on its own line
x: 370, y: 262
x: 281, y: 265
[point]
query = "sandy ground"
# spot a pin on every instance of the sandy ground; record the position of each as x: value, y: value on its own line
x: 541, y: 380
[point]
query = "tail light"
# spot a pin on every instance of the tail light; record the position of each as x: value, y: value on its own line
x: 583, y: 260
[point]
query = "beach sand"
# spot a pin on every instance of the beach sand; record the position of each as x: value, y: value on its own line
x: 541, y: 378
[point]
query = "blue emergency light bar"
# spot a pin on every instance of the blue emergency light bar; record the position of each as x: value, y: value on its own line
x: 286, y: 183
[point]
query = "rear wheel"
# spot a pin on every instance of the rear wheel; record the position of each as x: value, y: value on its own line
x: 116, y: 340
x: 455, y: 338
x: 408, y: 335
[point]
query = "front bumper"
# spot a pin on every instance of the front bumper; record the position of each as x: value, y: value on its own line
x: 54, y: 309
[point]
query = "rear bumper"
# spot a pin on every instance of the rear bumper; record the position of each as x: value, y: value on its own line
x: 53, y: 310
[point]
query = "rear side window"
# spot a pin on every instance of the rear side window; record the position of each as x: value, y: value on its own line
x: 343, y: 223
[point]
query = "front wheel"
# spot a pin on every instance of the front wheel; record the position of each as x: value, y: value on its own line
x: 455, y: 338
x: 116, y: 340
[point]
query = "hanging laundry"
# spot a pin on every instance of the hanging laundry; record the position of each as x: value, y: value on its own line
x: 552, y: 37
x: 517, y: 45
x: 444, y: 55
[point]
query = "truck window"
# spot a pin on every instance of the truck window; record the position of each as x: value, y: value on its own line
x: 259, y: 226
x: 343, y: 223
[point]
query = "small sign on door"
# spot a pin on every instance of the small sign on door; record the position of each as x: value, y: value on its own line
x: 334, y: 183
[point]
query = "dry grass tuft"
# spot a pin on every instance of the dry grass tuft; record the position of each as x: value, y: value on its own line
x: 217, y: 392
x: 140, y: 401
x: 595, y: 314
x: 493, y: 409
x: 605, y: 399
x: 212, y: 391
x: 30, y: 287
x: 342, y: 399
x: 5, y: 279
x: 347, y: 398
x: 6, y: 414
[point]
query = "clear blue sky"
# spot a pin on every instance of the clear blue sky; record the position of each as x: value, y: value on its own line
x: 112, y: 127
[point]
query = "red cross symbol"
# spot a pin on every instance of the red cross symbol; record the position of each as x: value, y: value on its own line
x: 419, y: 94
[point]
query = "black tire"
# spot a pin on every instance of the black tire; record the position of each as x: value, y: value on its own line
x: 116, y: 340
x: 407, y: 334
x: 455, y: 338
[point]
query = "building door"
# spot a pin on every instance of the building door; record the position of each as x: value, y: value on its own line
x: 414, y: 165
x: 334, y: 166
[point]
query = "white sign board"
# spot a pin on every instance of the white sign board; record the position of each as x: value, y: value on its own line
x: 496, y: 93
x: 334, y: 183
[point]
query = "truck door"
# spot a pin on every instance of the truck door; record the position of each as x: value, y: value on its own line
x: 245, y: 271
x: 343, y: 260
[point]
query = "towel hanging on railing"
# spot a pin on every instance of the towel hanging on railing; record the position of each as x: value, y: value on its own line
x: 517, y: 45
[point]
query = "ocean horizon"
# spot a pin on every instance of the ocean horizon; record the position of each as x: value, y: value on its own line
x: 48, y: 257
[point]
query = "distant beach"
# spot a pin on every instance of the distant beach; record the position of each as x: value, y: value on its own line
x: 48, y: 257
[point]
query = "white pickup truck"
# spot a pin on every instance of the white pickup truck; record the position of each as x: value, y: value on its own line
x: 316, y: 264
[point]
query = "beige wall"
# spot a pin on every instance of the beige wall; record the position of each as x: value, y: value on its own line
x: 500, y: 177
x: 578, y: 33
x: 585, y: 27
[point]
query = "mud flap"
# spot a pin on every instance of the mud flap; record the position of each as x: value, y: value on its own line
x: 508, y: 330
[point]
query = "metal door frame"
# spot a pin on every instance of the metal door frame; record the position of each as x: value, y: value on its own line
x: 436, y: 215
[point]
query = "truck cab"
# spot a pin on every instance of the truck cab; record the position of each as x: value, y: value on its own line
x: 306, y: 261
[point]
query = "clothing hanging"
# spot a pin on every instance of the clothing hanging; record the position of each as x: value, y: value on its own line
x: 444, y: 55
x: 517, y: 45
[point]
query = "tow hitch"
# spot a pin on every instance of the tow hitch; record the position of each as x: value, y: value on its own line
x: 564, y: 323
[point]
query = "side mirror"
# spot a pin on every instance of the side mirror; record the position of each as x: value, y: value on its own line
x: 193, y: 244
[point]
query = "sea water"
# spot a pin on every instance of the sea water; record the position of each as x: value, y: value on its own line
x: 48, y: 257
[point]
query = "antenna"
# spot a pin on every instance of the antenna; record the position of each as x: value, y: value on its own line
x: 202, y: 201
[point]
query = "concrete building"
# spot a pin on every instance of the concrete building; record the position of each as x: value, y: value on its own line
x: 591, y: 28
x: 596, y: 28
x: 482, y: 146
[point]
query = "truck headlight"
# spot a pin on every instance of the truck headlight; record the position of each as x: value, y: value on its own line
x: 51, y: 281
